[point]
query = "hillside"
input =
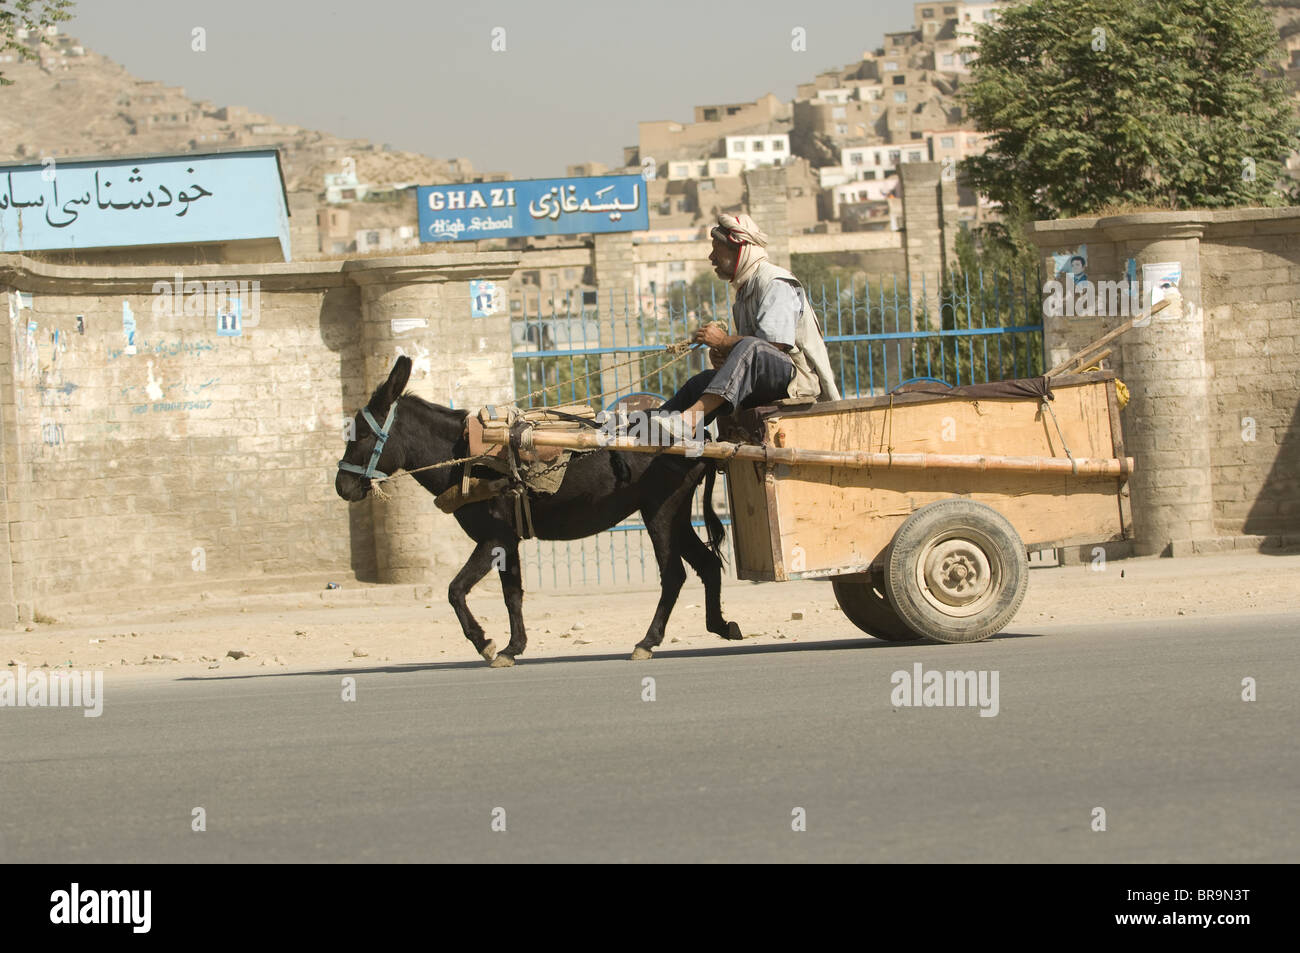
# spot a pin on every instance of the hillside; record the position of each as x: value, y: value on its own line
x: 75, y: 102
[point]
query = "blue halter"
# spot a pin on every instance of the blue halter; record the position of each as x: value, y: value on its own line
x: 381, y: 435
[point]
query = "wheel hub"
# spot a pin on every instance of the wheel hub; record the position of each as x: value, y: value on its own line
x: 956, y: 572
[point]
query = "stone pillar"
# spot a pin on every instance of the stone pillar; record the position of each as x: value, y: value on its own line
x: 1166, y: 424
x: 1167, y: 427
x: 950, y: 211
x: 923, y: 237
x: 618, y: 303
x: 420, y: 307
x: 768, y: 204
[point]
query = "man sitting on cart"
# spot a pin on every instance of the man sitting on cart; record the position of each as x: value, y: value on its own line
x: 778, y: 349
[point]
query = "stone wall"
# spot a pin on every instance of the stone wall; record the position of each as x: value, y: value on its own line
x: 1215, y: 377
x: 206, y: 456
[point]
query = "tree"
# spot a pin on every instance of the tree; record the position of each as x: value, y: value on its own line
x: 1093, y: 103
x: 34, y: 15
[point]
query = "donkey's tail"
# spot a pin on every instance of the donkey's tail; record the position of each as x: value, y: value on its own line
x: 717, y: 532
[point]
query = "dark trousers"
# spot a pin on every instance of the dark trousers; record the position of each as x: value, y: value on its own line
x: 755, y: 373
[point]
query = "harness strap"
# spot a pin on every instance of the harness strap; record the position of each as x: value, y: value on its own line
x: 381, y: 438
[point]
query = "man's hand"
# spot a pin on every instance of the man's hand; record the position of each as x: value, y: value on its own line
x: 712, y: 335
x: 716, y: 358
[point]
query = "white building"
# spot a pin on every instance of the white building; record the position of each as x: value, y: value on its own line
x: 866, y: 191
x: 704, y: 168
x: 878, y: 162
x: 386, y: 239
x: 344, y: 187
x: 755, y: 151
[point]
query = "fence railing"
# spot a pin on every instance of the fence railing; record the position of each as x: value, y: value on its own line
x: 970, y: 328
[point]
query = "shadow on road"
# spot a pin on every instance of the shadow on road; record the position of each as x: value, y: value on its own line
x: 718, y: 651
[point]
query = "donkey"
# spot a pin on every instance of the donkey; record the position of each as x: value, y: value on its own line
x: 600, y: 489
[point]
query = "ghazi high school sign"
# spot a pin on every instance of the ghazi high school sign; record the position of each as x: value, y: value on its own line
x: 573, y: 206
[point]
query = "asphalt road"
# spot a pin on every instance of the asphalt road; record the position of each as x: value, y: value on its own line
x: 1144, y: 721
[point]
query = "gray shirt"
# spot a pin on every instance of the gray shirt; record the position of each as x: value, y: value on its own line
x: 774, y: 317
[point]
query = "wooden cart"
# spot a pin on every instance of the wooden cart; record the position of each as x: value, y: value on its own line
x: 937, y: 551
x: 919, y: 507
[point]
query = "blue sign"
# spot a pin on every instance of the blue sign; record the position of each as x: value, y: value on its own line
x: 160, y: 200
x: 605, y: 203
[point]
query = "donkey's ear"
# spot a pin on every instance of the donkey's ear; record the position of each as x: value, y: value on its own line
x: 397, y: 378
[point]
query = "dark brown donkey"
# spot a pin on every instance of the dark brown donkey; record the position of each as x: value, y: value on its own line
x: 600, y: 489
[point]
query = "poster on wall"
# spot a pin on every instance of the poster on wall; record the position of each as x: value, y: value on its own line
x: 485, y: 299
x: 128, y: 327
x: 229, y: 324
x: 1159, y: 278
x: 1072, y: 266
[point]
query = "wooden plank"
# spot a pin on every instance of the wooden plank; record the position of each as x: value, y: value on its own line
x: 899, y: 400
x: 749, y: 521
x: 539, y: 441
x: 779, y: 561
x: 1117, y: 435
x: 960, y: 426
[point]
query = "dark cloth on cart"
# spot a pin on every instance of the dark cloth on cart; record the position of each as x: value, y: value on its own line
x: 1035, y: 387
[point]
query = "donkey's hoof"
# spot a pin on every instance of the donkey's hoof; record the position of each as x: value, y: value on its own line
x: 733, y: 632
x: 489, y: 650
x: 640, y: 654
x: 502, y: 661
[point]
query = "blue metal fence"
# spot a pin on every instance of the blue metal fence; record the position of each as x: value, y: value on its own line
x: 971, y: 328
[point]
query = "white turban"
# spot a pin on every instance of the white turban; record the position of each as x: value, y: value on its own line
x: 743, y: 231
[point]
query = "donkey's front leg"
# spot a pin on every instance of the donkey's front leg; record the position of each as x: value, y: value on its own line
x: 480, y: 561
x: 512, y: 589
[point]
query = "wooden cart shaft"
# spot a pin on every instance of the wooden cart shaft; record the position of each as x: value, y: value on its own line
x: 855, y: 459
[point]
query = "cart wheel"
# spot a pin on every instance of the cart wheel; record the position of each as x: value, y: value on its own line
x: 862, y: 597
x: 956, y: 571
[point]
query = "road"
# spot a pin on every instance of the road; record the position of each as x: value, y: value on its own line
x: 1144, y: 720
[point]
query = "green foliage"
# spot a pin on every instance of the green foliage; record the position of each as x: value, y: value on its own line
x: 991, y: 284
x: 35, y: 15
x: 1095, y: 103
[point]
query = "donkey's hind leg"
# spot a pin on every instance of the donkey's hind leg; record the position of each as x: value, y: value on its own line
x: 708, y: 567
x: 672, y: 575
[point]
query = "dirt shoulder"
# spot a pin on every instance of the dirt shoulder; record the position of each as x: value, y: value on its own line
x: 359, y: 626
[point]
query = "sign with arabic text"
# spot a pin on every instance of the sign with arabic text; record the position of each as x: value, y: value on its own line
x: 158, y: 200
x: 603, y: 203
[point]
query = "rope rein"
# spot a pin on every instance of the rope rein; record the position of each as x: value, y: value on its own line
x: 679, y: 350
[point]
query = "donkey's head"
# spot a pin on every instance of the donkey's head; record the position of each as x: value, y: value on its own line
x: 373, y: 450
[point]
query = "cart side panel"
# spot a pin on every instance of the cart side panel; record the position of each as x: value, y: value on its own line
x: 751, y: 531
x: 840, y: 519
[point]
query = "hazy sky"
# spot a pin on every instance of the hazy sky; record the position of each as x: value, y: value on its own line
x: 573, y: 82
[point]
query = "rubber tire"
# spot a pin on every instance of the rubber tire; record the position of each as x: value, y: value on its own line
x: 862, y: 597
x: 1005, y: 552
